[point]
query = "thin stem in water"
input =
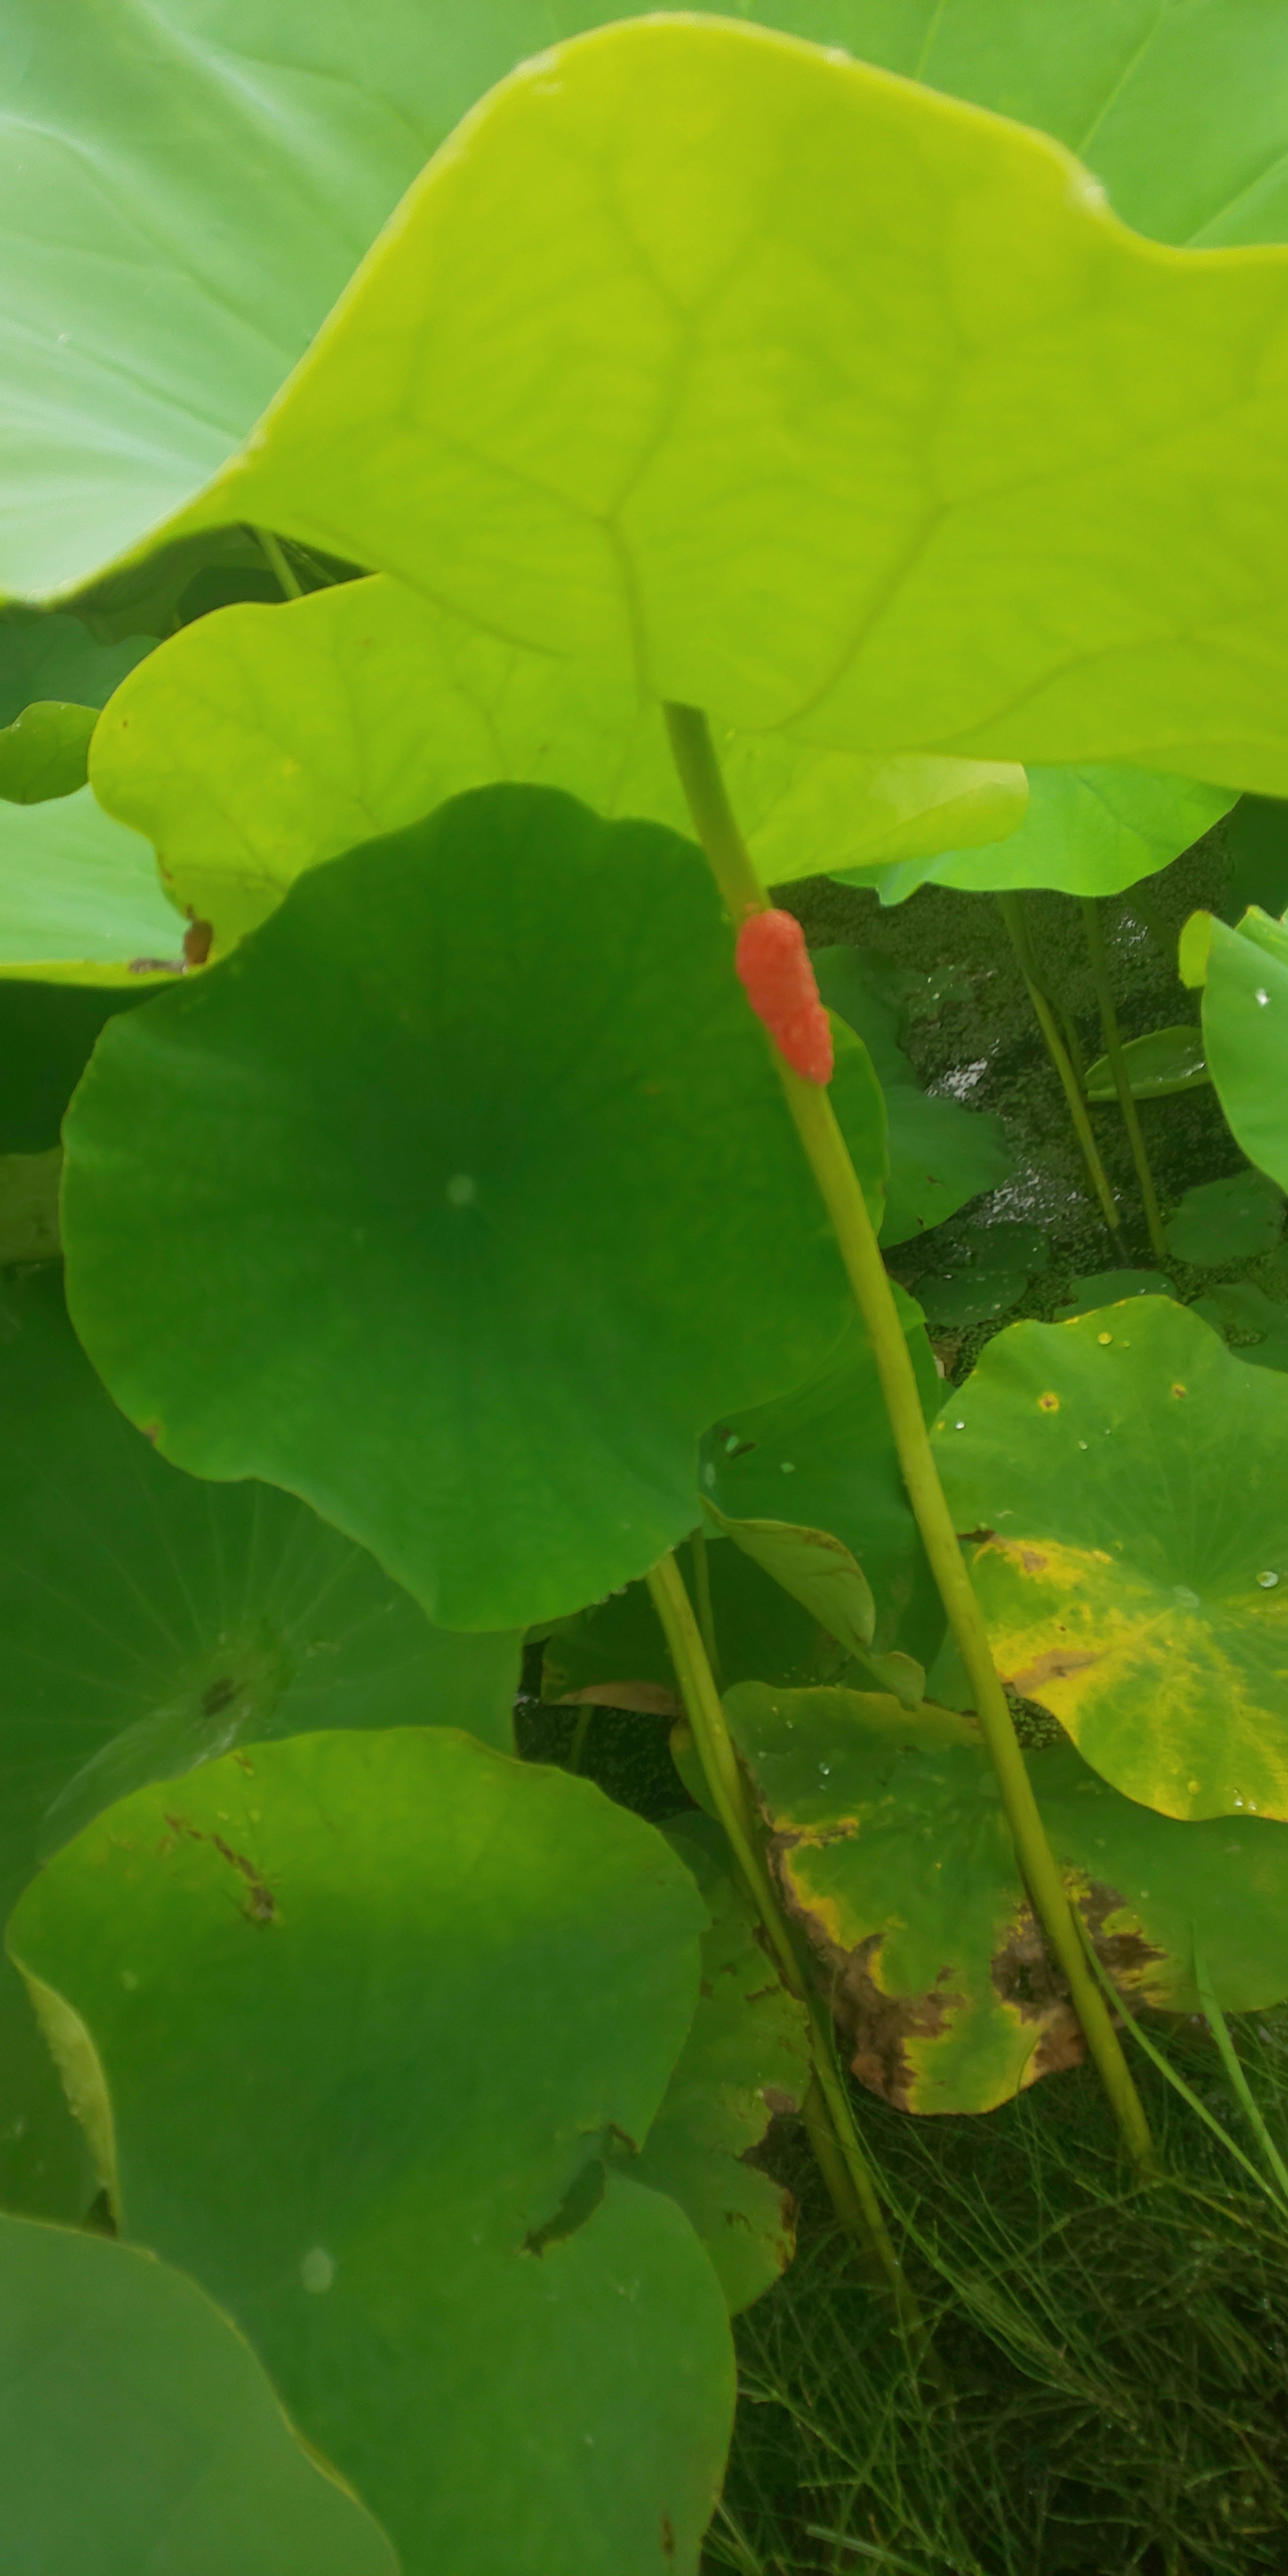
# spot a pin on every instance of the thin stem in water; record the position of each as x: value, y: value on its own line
x: 1118, y: 1067
x: 834, y: 1172
x: 1012, y: 911
x: 856, y: 2202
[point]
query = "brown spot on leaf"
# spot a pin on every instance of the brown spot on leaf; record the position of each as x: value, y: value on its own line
x: 976, y: 1537
x: 1054, y: 1666
x: 668, y: 2539
x: 776, y: 2100
x: 218, y: 1695
x: 1048, y: 1403
x: 198, y: 940
x: 261, y: 1905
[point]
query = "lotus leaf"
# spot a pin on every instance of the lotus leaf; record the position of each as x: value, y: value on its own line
x: 1165, y: 1061
x: 509, y: 2374
x: 56, y: 658
x: 45, y: 752
x: 1257, y: 839
x: 818, y: 1571
x: 107, y: 2357
x: 80, y: 901
x: 1182, y: 113
x: 150, y: 1622
x: 894, y: 1853
x: 1246, y: 1316
x: 261, y: 740
x: 29, y: 1206
x: 1110, y: 1288
x: 941, y: 1154
x: 1245, y: 1020
x: 47, y: 1034
x: 526, y: 403
x: 1230, y: 1220
x: 746, y: 2057
x: 1086, y: 832
x: 953, y: 1300
x: 1121, y: 1477
x: 466, y: 1280
x: 828, y: 1446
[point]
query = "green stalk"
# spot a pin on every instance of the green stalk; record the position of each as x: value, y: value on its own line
x: 276, y: 561
x: 1013, y: 915
x: 1118, y: 1067
x: 830, y: 2116
x: 702, y: 1597
x: 834, y: 1172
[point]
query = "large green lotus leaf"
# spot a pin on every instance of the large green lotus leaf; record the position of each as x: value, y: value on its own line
x: 260, y: 740
x: 140, y: 2432
x: 825, y: 1452
x: 941, y: 1154
x: 1245, y: 1029
x: 893, y: 1850
x: 364, y: 2009
x: 80, y: 899
x: 1086, y: 832
x: 1122, y: 1477
x: 527, y: 403
x: 465, y: 1197
x: 746, y: 2057
x: 1181, y: 112
x: 151, y: 1622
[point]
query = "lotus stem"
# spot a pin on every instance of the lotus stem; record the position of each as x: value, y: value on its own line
x: 1118, y: 1067
x: 838, y: 1184
x: 276, y: 559
x: 702, y: 1599
x: 828, y: 2114
x: 1012, y: 910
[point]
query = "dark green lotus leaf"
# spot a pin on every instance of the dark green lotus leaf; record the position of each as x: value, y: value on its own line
x: 55, y: 657
x: 817, y: 1569
x: 1167, y: 1060
x: 473, y: 1154
x: 80, y: 899
x: 1245, y: 1030
x: 1231, y: 1220
x: 746, y: 2057
x: 45, y: 752
x: 827, y: 1450
x: 151, y: 1622
x: 1110, y: 1288
x: 1085, y: 831
x: 142, y: 2434
x: 1256, y: 1325
x: 1123, y: 1478
x: 952, y: 1299
x: 47, y: 1034
x: 258, y: 742
x: 29, y: 1206
x: 498, y: 1967
x: 614, y: 1654
x: 1256, y: 836
x: 894, y: 1853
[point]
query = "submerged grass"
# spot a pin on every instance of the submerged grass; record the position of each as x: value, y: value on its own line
x: 1116, y: 2353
